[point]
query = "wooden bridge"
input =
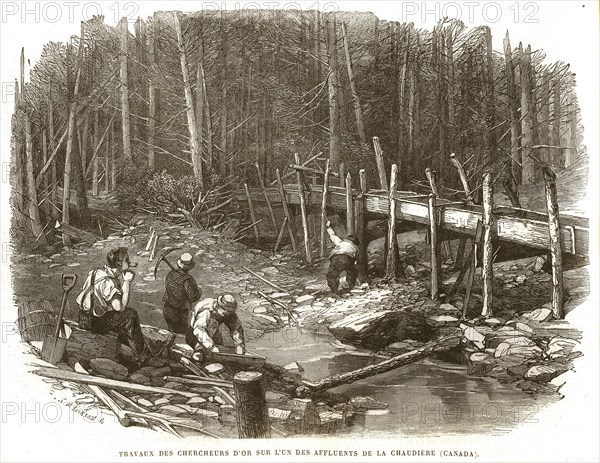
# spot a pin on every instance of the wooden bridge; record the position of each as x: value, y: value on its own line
x: 489, y: 228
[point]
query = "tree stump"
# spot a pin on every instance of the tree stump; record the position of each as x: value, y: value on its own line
x: 252, y: 411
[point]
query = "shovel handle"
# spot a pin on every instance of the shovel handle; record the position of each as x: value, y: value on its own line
x: 68, y: 281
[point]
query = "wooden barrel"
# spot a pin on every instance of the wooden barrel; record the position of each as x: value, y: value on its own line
x: 36, y: 320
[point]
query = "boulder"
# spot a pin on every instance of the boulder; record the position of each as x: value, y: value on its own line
x: 293, y: 366
x: 214, y: 368
x: 173, y: 410
x: 505, y: 346
x: 441, y: 320
x: 196, y: 401
x: 367, y: 403
x: 479, y: 364
x: 559, y: 347
x: 545, y: 373
x: 306, y: 299
x: 473, y: 336
x: 145, y: 403
x: 542, y: 314
x: 109, y: 368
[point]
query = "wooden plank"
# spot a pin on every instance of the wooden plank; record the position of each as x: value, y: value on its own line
x: 281, y: 233
x: 66, y: 375
x: 462, y: 220
x: 487, y: 275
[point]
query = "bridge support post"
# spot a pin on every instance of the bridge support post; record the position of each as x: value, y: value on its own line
x: 392, y: 241
x: 349, y: 206
x: 434, y: 246
x: 555, y: 243
x: 324, y: 199
x: 286, y: 211
x: 487, y: 276
x: 302, y: 199
x: 360, y: 227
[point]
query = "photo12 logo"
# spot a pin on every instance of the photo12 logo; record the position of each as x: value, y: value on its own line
x: 54, y: 12
x: 470, y: 12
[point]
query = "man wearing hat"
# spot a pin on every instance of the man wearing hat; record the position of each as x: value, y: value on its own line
x: 181, y: 291
x: 343, y: 258
x: 208, y: 315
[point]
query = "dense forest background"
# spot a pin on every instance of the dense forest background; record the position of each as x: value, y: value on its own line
x: 173, y: 113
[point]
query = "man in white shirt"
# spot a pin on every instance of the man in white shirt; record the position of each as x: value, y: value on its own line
x: 207, y: 316
x: 104, y: 300
x: 343, y: 258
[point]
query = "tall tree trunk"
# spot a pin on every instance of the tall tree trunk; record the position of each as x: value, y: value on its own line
x: 34, y: 213
x: 80, y: 187
x: 513, y: 103
x: 544, y: 153
x: 356, y: 100
x: 126, y: 130
x: 528, y: 168
x: 70, y: 139
x: 450, y: 88
x: 442, y: 105
x: 95, y: 161
x: 200, y: 97
x: 490, y: 102
x: 209, y: 132
x: 46, y: 182
x: 151, y: 96
x: 223, y: 153
x: 573, y: 136
x: 401, y: 159
x: 189, y: 98
x: 113, y: 161
x: 334, y: 108
x: 557, y: 160
x: 54, y: 195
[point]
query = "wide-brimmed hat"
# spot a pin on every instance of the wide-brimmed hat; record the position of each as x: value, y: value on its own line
x: 186, y: 261
x: 227, y: 302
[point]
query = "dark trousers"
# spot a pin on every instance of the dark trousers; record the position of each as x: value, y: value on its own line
x: 126, y: 323
x: 337, y: 264
x: 176, y: 318
x: 192, y: 340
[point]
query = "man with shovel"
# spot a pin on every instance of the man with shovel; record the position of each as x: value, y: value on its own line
x: 104, y: 302
x: 181, y: 291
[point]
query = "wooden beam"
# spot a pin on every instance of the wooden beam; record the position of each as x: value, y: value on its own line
x: 361, y: 226
x: 66, y: 375
x: 434, y: 247
x: 349, y: 206
x: 310, y: 170
x: 487, y: 275
x: 390, y: 263
x: 555, y: 244
x: 286, y: 211
x: 300, y: 180
x: 324, y: 198
x: 252, y: 214
x: 380, y: 165
x: 281, y: 233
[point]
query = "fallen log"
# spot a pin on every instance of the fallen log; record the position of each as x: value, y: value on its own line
x: 443, y: 343
x: 198, y: 372
x: 76, y: 233
x: 104, y: 382
x: 264, y: 280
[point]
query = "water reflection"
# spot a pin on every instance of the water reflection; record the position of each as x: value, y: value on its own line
x: 425, y: 399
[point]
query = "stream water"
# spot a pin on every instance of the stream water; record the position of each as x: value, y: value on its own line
x: 428, y: 398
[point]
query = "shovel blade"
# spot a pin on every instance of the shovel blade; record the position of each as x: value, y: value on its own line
x: 53, y: 349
